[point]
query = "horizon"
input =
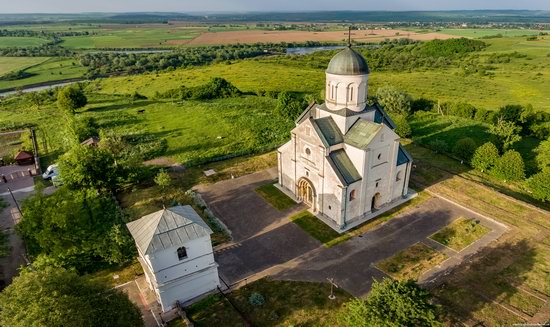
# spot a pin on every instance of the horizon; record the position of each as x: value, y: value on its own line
x: 251, y: 6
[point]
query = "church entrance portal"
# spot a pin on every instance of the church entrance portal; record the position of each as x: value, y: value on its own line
x: 375, y: 202
x: 306, y: 192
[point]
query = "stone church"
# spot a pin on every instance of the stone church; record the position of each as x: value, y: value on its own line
x: 344, y: 159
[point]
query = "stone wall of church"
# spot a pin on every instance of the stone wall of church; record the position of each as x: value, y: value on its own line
x: 399, y: 181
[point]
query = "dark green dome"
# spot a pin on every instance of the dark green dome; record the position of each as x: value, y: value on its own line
x: 348, y: 62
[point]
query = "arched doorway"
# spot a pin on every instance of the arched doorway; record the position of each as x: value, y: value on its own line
x: 306, y: 192
x: 375, y: 205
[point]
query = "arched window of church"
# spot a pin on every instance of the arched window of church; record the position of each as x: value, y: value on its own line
x: 399, y: 176
x: 308, y: 152
x: 182, y: 253
x: 352, y: 195
x: 351, y: 94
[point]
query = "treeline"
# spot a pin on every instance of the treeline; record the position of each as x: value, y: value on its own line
x: 42, y: 34
x: 50, y: 49
x: 216, y: 88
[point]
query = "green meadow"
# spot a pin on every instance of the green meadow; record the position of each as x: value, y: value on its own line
x: 10, y: 64
x: 484, y: 32
x: 12, y: 41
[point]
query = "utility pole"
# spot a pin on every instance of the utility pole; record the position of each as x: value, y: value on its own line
x: 35, y: 147
x: 15, y: 201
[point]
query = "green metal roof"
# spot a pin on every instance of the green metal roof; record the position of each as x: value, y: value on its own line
x: 344, y: 167
x: 361, y: 133
x: 348, y: 62
x: 403, y: 156
x: 329, y: 130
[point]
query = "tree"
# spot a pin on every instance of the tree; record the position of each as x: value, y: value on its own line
x: 394, y: 100
x: 403, y: 128
x: 288, y: 106
x: 510, y: 166
x: 75, y: 229
x: 70, y: 98
x: 88, y: 167
x: 163, y: 179
x: 53, y: 297
x: 465, y: 148
x: 485, y: 157
x: 392, y: 303
x: 539, y: 184
x: 506, y: 133
x: 543, y: 155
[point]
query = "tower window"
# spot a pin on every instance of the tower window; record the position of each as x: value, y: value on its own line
x: 379, y: 156
x: 351, y: 94
x: 352, y: 195
x: 182, y: 253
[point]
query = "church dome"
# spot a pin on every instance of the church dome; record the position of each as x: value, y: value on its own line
x: 348, y: 62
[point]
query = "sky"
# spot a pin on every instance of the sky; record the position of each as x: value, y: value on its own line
x: 76, y: 6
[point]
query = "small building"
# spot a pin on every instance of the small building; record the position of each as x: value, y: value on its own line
x: 176, y: 254
x: 24, y: 158
x: 92, y: 141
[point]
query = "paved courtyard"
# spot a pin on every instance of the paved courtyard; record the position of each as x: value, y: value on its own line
x: 21, y: 185
x: 266, y: 243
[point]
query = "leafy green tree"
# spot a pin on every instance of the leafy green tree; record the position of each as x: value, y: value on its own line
x: 511, y: 112
x: 54, y: 297
x: 88, y: 167
x: 75, y: 229
x: 539, y: 184
x: 403, y: 128
x: 163, y: 179
x: 485, y: 157
x: 71, y: 98
x: 465, y: 148
x: 394, y: 100
x: 506, y: 133
x: 392, y: 303
x: 510, y: 166
x: 543, y: 155
x: 289, y: 106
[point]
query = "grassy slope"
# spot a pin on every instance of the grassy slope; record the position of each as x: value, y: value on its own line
x: 53, y: 69
x: 10, y: 64
x: 12, y: 41
x: 481, y: 32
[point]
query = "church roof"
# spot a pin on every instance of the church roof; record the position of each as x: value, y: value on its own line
x: 361, y: 133
x: 403, y: 156
x: 348, y: 62
x: 329, y: 131
x: 343, y: 167
x: 380, y: 116
x: 167, y: 228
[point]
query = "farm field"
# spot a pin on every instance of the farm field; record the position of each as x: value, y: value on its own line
x: 9, y: 41
x: 254, y: 36
x: 484, y: 32
x: 51, y: 69
x: 10, y: 64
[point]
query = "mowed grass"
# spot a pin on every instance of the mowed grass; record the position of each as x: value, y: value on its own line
x: 21, y: 42
x: 53, y: 69
x: 315, y: 227
x: 411, y: 262
x: 275, y: 197
x: 10, y: 64
x: 460, y: 233
x: 286, y: 304
x: 132, y: 37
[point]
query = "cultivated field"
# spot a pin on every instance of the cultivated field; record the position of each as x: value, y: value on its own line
x: 254, y: 36
x: 10, y: 64
x: 484, y: 32
x: 8, y: 41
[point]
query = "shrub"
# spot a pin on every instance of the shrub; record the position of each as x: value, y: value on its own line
x: 422, y: 104
x: 485, y: 157
x: 71, y: 98
x: 438, y: 146
x: 465, y: 148
x: 510, y: 166
x: 543, y: 155
x: 505, y: 133
x: 256, y: 299
x: 403, y: 128
x: 539, y: 184
x: 481, y: 114
x: 163, y: 179
x: 393, y: 100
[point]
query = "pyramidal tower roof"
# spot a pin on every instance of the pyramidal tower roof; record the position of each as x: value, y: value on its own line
x: 167, y: 228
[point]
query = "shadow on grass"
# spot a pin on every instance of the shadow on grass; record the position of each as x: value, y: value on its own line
x: 483, y: 288
x: 135, y: 105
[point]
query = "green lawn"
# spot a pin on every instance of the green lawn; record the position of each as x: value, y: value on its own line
x: 10, y: 64
x: 460, y: 233
x: 411, y: 262
x: 286, y: 304
x: 275, y: 197
x: 316, y: 228
x: 23, y: 41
